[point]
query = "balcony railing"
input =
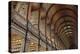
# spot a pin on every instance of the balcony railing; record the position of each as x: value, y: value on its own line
x: 31, y: 28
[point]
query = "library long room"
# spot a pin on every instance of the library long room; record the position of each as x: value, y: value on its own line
x: 42, y: 27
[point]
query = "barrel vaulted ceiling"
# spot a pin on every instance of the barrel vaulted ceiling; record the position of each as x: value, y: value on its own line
x: 62, y: 18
